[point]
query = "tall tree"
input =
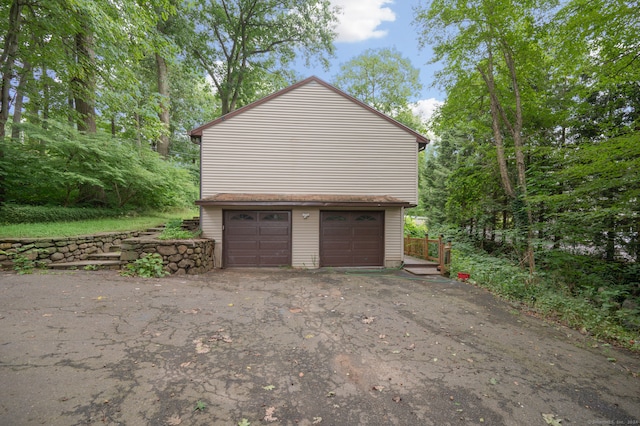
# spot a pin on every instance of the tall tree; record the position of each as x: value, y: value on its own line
x: 500, y: 42
x: 164, y: 49
x: 83, y: 84
x: 239, y: 42
x: 596, y: 70
x: 382, y: 78
x: 7, y: 62
x: 8, y: 59
x: 163, y: 91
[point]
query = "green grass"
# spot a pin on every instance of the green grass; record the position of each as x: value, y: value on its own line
x: 88, y: 227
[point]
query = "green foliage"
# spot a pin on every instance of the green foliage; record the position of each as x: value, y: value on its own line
x: 58, y: 165
x: 572, y: 68
x: 499, y: 275
x: 12, y: 213
x: 414, y: 228
x: 24, y: 263
x: 149, y: 266
x: 583, y: 292
x: 247, y: 46
x: 200, y: 406
x: 381, y: 78
x: 173, y: 231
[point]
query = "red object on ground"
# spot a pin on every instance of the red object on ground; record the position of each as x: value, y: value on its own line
x: 463, y: 275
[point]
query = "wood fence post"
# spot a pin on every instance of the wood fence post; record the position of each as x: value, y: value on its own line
x: 440, y: 254
x: 426, y: 247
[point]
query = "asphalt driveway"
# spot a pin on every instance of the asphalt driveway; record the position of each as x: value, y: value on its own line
x: 331, y: 347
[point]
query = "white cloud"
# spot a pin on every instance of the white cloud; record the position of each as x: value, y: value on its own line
x: 359, y: 19
x: 425, y: 108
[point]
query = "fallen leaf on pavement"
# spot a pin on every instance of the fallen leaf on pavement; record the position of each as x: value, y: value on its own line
x: 201, y: 348
x: 551, y: 419
x: 174, y: 420
x: 268, y: 416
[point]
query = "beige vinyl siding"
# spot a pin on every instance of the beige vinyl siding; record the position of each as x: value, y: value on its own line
x: 305, y: 238
x: 211, y: 222
x: 310, y: 140
x: 394, y: 237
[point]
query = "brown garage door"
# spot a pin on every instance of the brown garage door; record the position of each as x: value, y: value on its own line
x: 257, y: 238
x: 351, y: 238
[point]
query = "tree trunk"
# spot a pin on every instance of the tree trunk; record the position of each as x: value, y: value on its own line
x: 516, y: 131
x: 84, y: 84
x: 72, y: 106
x: 499, y: 116
x: 7, y: 61
x: 17, y: 107
x: 163, y: 90
x: 136, y: 117
x: 636, y: 241
x: 498, y: 139
x: 610, y: 239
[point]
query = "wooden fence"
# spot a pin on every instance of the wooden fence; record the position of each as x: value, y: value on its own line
x: 434, y: 250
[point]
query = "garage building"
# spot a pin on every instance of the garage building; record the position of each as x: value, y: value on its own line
x: 307, y: 177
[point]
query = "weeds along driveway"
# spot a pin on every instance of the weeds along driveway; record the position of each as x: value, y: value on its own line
x: 295, y: 348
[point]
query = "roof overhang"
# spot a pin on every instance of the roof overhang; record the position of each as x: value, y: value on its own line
x: 302, y: 200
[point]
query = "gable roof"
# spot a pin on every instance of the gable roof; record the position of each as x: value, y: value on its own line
x: 196, y: 134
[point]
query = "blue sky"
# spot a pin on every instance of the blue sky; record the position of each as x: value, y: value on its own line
x: 373, y: 24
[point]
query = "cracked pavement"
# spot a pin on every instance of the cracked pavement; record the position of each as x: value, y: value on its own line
x: 329, y: 347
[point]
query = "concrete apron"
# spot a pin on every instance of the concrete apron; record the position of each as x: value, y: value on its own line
x: 294, y: 347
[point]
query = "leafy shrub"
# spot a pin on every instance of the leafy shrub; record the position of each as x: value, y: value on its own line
x: 174, y: 224
x: 58, y: 165
x: 173, y: 231
x: 22, y: 263
x: 13, y: 213
x: 582, y: 292
x: 497, y: 274
x: 149, y: 266
x: 413, y: 229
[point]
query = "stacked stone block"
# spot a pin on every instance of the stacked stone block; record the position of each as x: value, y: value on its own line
x: 178, y: 256
x: 60, y: 250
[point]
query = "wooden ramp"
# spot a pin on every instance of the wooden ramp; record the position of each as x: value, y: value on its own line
x: 420, y: 267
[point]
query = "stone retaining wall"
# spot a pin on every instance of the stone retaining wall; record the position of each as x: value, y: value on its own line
x: 61, y: 250
x: 178, y: 256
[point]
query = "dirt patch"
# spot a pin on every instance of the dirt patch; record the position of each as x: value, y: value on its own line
x: 297, y: 348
